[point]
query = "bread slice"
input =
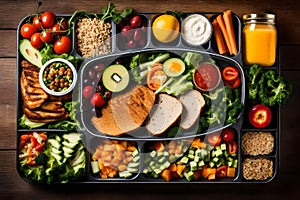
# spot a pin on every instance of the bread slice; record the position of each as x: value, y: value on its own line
x: 125, y: 112
x: 192, y: 102
x: 163, y: 114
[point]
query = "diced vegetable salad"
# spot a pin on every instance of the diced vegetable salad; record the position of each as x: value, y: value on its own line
x: 115, y: 159
x: 52, y: 158
x: 190, y: 159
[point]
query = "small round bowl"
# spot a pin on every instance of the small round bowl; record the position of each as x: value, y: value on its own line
x: 196, y: 30
x: 63, y: 92
x: 207, y: 76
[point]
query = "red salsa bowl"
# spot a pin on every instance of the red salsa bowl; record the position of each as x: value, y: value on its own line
x: 207, y: 76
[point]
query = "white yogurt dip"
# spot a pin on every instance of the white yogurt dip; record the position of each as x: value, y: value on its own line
x: 196, y: 29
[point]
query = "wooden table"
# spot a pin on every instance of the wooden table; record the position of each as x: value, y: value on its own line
x: 286, y: 184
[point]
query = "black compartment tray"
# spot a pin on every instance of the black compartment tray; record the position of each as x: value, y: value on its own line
x: 91, y: 136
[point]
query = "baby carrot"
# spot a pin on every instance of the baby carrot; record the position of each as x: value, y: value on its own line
x: 218, y: 37
x: 224, y: 32
x: 230, y: 30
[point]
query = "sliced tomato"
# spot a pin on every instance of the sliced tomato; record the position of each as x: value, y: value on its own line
x: 156, y: 77
x: 234, y: 83
x: 214, y: 139
x: 230, y: 73
x: 221, y: 171
x: 232, y: 147
x: 39, y: 147
x: 34, y: 141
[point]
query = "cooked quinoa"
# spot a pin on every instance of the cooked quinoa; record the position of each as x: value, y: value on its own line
x: 257, y: 143
x: 257, y: 168
x: 93, y: 37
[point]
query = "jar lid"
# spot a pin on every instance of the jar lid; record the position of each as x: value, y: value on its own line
x: 259, y: 18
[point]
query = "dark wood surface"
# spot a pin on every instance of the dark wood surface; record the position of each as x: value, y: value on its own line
x: 284, y: 186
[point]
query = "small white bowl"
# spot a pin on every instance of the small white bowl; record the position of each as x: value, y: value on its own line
x: 196, y: 29
x: 48, y: 89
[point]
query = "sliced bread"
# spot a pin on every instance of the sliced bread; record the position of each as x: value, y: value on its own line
x: 163, y: 114
x: 192, y: 102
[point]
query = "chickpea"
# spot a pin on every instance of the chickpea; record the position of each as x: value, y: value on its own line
x: 62, y: 80
x: 66, y: 84
x: 69, y: 74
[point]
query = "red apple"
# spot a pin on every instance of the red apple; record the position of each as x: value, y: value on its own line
x: 260, y: 116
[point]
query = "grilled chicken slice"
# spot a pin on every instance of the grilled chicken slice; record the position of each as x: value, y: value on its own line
x: 32, y: 93
x: 125, y: 112
x: 47, y: 112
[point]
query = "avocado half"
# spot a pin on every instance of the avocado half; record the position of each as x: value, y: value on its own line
x: 30, y: 53
x: 115, y: 78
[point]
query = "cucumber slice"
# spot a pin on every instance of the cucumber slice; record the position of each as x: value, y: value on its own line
x: 125, y: 174
x: 69, y: 144
x: 57, y: 157
x: 55, y: 151
x: 72, y: 137
x: 67, y: 150
x: 54, y: 143
x: 95, y: 167
x: 79, y: 157
x: 133, y: 165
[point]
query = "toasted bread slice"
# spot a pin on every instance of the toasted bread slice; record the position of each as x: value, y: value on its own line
x: 163, y: 114
x: 192, y: 102
x: 125, y: 112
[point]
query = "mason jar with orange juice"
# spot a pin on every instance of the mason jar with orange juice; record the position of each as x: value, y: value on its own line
x: 259, y: 39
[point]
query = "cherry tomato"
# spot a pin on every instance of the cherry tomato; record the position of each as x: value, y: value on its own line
x: 230, y: 73
x: 87, y: 91
x: 156, y: 77
x: 60, y: 28
x: 97, y: 100
x: 260, y: 116
x: 137, y: 35
x: 214, y: 139
x: 232, y: 147
x: 227, y: 134
x: 136, y: 21
x: 234, y: 83
x: 126, y: 31
x: 100, y: 67
x: 131, y: 44
x: 37, y: 23
x: 36, y: 41
x: 221, y: 171
x: 47, y: 36
x: 48, y: 19
x: 62, y: 45
x: 27, y: 30
x: 108, y: 94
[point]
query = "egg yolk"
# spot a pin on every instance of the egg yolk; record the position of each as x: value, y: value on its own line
x: 175, y: 67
